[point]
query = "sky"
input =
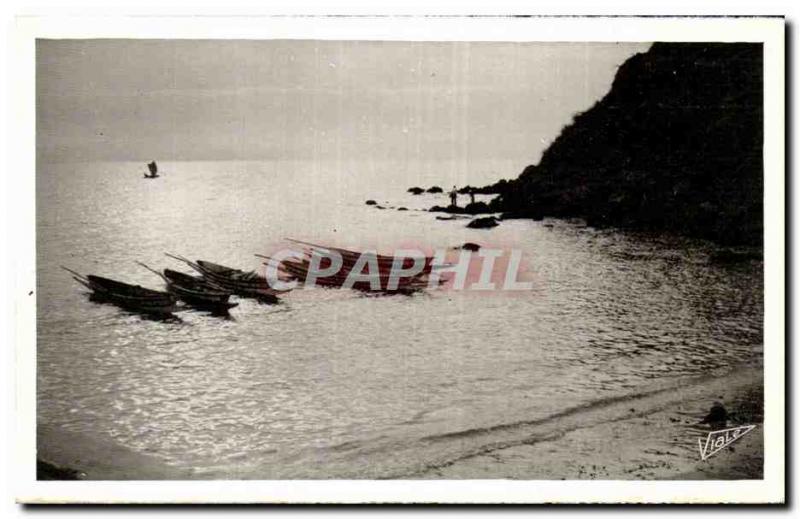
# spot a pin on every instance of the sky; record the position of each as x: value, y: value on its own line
x: 295, y: 100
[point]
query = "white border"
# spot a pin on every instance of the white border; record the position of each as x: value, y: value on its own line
x: 21, y: 184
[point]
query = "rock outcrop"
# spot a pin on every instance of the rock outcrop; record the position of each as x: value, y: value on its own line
x: 676, y: 145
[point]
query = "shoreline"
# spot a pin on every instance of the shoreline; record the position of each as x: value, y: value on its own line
x: 65, y: 454
x: 653, y: 437
x: 649, y: 437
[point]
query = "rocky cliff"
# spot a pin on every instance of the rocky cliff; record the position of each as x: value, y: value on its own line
x: 676, y: 145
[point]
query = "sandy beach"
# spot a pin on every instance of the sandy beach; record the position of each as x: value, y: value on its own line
x: 650, y: 437
x: 63, y: 454
x: 647, y: 437
x: 221, y: 283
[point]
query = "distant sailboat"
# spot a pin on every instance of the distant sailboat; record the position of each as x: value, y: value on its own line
x: 153, y: 170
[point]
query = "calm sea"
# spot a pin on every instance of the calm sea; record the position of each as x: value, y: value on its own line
x: 332, y: 383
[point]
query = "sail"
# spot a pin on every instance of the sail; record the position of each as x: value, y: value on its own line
x: 153, y: 168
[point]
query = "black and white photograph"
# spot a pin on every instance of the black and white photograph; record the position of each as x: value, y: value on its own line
x: 514, y: 255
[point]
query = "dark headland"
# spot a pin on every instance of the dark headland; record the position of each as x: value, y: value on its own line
x: 676, y: 145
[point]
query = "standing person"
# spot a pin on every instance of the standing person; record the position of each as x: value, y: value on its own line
x: 471, y: 196
x: 454, y: 197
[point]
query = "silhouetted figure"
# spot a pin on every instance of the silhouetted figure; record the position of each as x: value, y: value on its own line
x: 454, y: 197
x: 472, y: 197
x: 717, y: 417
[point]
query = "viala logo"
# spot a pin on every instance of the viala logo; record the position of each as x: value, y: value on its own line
x: 718, y: 440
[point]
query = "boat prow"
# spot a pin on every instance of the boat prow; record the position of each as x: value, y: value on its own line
x: 195, y: 291
x: 125, y: 295
x: 243, y: 284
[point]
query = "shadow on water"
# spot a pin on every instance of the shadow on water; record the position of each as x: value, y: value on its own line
x: 394, y: 293
x: 147, y: 316
x: 223, y: 314
x: 165, y: 318
x: 267, y: 301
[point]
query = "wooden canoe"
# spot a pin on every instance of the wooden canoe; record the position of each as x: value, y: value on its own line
x: 132, y: 297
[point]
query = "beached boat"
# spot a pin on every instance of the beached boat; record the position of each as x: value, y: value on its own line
x: 195, y: 291
x: 303, y: 266
x: 131, y: 297
x: 349, y: 257
x: 244, y: 284
x: 298, y: 268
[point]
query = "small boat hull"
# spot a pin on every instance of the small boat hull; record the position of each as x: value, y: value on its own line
x: 197, y: 291
x: 127, y: 296
x: 299, y: 269
x: 154, y: 308
x: 239, y: 282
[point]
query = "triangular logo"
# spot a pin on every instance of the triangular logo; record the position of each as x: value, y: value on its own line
x: 718, y: 440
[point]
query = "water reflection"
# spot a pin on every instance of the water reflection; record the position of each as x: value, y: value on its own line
x: 143, y: 314
x: 268, y: 389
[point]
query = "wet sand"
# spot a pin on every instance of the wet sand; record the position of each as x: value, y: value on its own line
x: 63, y: 454
x: 646, y: 438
